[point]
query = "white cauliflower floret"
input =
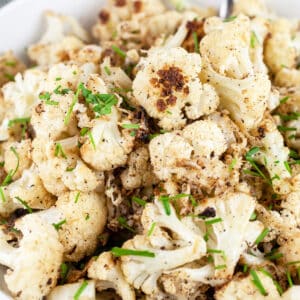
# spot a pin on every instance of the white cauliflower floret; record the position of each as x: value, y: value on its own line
x: 87, y: 54
x: 228, y: 235
x: 279, y: 50
x: 139, y: 172
x: 287, y: 77
x: 228, y: 67
x: 108, y: 274
x: 20, y: 97
x: 292, y: 293
x: 185, y: 246
x: 68, y: 291
x: 23, y: 161
x: 9, y: 67
x: 196, y: 135
x: 63, y: 36
x: 274, y: 155
x: 193, y: 155
x: 39, y: 243
x: 30, y: 189
x: 60, y: 172
x: 109, y: 146
x: 250, y: 8
x: 83, y: 217
x: 171, y: 87
x: 243, y: 288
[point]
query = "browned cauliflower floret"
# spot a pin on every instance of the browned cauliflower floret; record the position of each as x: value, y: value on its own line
x: 167, y: 86
x: 193, y: 155
x: 9, y: 67
x: 139, y: 172
x: 243, y: 288
x: 228, y: 67
x: 80, y: 219
x: 63, y: 36
x: 29, y: 275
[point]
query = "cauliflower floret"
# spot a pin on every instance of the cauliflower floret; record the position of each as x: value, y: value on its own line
x: 87, y: 54
x: 193, y: 155
x: 63, y: 36
x: 227, y: 237
x: 39, y: 243
x: 61, y: 171
x: 185, y: 246
x: 250, y: 8
x: 109, y: 147
x: 30, y: 189
x: 279, y: 50
x: 9, y: 67
x: 20, y: 97
x: 108, y: 274
x: 22, y: 160
x: 171, y: 87
x: 287, y: 77
x: 68, y: 291
x: 290, y: 248
x: 292, y: 293
x: 139, y: 172
x: 228, y: 67
x: 82, y: 217
x: 274, y: 155
x: 243, y: 288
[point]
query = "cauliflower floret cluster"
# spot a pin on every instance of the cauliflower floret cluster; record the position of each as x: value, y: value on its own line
x: 171, y: 89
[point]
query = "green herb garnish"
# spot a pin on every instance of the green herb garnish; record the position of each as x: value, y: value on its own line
x: 118, y: 51
x: 196, y: 42
x: 123, y: 222
x: 229, y: 19
x: 80, y: 290
x: 150, y: 231
x: 139, y: 201
x: 263, y: 234
x: 77, y: 197
x: 257, y: 282
x: 59, y: 151
x: 58, y: 225
x: 28, y: 208
x: 116, y: 251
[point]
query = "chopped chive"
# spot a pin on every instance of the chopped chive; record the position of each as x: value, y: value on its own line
x: 213, y: 221
x: 13, y: 122
x: 60, y: 91
x: 284, y: 100
x: 3, y: 198
x: 70, y: 169
x: 28, y: 208
x: 84, y: 131
x: 249, y: 155
x: 290, y: 117
x: 151, y: 229
x: 217, y: 251
x: 278, y: 287
x: 87, y: 216
x: 294, y: 154
x: 107, y: 70
x: 293, y: 263
x: 165, y: 200
x: 254, y: 39
x: 9, y: 76
x: 50, y: 102
x: 210, y: 259
x: 289, y: 278
x: 139, y: 201
x: 229, y: 19
x: 10, y: 63
x: 274, y: 256
x: 220, y: 267
x: 80, y: 290
x: 232, y: 164
x: 77, y: 197
x: 90, y: 135
x: 292, y: 136
x: 287, y: 166
x: 2, y: 163
x: 253, y: 216
x: 298, y: 273
x: 131, y: 126
x: 245, y: 268
x: 123, y: 222
x: 257, y: 282
x: 64, y: 270
x: 57, y: 78
x: 196, y: 42
x: 70, y: 110
x: 45, y: 96
x: 285, y: 129
x: 58, y: 225
x: 263, y: 234
x: 116, y: 251
x: 133, y: 133
x: 74, y: 73
x: 118, y: 51
x: 59, y: 151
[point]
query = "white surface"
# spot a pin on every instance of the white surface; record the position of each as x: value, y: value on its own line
x: 21, y: 22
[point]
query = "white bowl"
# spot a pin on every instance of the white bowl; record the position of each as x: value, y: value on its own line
x: 21, y: 24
